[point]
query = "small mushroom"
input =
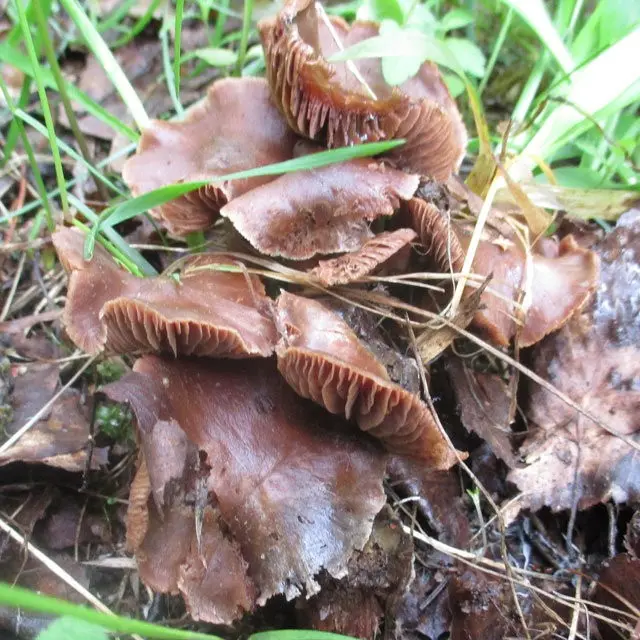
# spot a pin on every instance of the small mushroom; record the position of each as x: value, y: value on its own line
x: 373, y: 254
x: 325, y: 101
x: 324, y: 210
x: 563, y: 277
x: 322, y: 359
x: 235, y: 128
x: 205, y: 311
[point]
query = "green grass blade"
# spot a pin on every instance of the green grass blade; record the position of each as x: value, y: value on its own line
x: 18, y: 597
x: 116, y: 16
x: 497, y: 47
x: 9, y: 55
x: 14, y: 133
x: 32, y: 122
x: 169, y: 70
x: 130, y: 257
x: 291, y: 634
x: 139, y: 26
x: 536, y: 15
x: 37, y: 176
x: 158, y: 197
x: 46, y: 110
x: 113, y: 70
x: 594, y: 87
x: 177, y: 47
x: 244, y: 37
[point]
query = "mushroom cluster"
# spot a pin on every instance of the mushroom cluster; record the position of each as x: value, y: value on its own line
x: 264, y: 419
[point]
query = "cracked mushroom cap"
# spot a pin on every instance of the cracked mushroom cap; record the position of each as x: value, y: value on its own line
x: 563, y: 277
x: 373, y: 254
x: 324, y: 210
x: 325, y: 101
x: 322, y: 359
x: 235, y: 128
x: 205, y: 311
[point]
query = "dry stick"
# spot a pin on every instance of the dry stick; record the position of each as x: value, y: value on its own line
x: 36, y: 416
x: 14, y: 286
x: 487, y: 495
x: 336, y: 38
x: 573, y: 631
x: 56, y: 569
x: 474, y: 242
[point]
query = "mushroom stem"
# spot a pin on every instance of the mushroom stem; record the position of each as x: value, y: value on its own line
x: 350, y: 64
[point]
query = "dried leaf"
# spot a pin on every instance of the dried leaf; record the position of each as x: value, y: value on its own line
x: 595, y: 361
x: 282, y: 490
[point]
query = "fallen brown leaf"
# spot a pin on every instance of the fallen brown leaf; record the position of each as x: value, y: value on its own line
x: 595, y: 360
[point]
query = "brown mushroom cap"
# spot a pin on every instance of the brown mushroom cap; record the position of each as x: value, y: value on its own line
x: 323, y: 210
x: 322, y: 359
x: 436, y: 234
x: 325, y: 101
x: 236, y: 127
x: 353, y: 266
x: 562, y: 281
x: 204, y: 312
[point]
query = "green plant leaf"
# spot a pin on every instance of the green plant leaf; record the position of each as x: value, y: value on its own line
x: 455, y: 19
x: 215, y: 56
x: 468, y: 54
x: 72, y: 629
x: 536, y: 15
x: 379, y: 10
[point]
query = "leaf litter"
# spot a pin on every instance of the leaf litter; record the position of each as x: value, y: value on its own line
x: 287, y: 469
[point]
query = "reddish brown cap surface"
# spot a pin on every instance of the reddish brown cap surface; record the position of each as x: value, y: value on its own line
x: 325, y: 210
x: 235, y: 128
x: 287, y: 492
x: 353, y: 266
x: 322, y: 359
x: 325, y: 101
x: 204, y: 312
x: 561, y: 282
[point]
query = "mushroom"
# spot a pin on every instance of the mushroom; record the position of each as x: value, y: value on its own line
x: 247, y: 490
x: 205, y: 311
x: 562, y: 279
x: 325, y: 101
x: 235, y: 128
x: 324, y: 210
x: 373, y: 254
x: 322, y: 359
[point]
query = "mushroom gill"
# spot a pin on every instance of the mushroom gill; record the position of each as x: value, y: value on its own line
x: 324, y: 101
x: 236, y: 127
x: 324, y: 210
x: 203, y: 311
x: 322, y: 359
x: 373, y: 254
